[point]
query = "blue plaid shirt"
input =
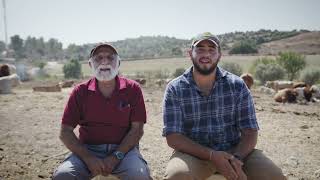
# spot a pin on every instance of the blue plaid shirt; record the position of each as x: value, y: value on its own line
x: 213, y: 121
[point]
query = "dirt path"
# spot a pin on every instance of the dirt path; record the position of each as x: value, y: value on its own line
x: 30, y: 148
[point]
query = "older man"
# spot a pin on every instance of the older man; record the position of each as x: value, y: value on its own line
x: 110, y: 113
x: 210, y: 121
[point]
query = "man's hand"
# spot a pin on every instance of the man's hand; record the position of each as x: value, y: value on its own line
x: 110, y: 162
x: 221, y: 161
x: 237, y: 166
x: 95, y: 165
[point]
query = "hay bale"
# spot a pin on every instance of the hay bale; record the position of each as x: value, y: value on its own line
x: 54, y: 88
x: 7, y: 82
x: 66, y: 84
x: 5, y: 85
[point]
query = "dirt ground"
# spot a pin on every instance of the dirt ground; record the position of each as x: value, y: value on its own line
x: 30, y: 148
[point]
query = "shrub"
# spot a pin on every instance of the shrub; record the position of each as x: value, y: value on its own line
x: 178, y: 72
x: 72, y: 69
x: 269, y: 72
x: 232, y: 67
x: 244, y: 47
x: 139, y: 74
x: 310, y: 76
x: 161, y: 74
x: 292, y: 62
x: 41, y: 64
x: 263, y: 60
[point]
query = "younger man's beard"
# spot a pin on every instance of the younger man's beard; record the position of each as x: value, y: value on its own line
x: 202, y: 71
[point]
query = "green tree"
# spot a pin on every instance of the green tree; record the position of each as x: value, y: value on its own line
x: 292, y: 62
x: 72, y: 69
x: 53, y: 49
x: 34, y: 48
x: 77, y: 52
x: 2, y: 46
x: 17, y: 46
x: 176, y: 51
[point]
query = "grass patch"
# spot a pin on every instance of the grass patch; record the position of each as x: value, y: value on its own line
x: 150, y: 66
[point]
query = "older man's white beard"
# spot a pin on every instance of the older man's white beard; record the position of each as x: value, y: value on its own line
x: 105, y: 75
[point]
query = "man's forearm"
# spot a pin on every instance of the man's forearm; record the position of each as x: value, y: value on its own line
x: 247, y: 142
x: 182, y: 143
x: 70, y: 140
x: 132, y: 138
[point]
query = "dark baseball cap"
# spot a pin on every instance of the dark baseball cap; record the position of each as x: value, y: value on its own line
x: 102, y: 45
x: 205, y: 36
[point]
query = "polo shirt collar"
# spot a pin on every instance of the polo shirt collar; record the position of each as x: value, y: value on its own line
x: 120, y: 84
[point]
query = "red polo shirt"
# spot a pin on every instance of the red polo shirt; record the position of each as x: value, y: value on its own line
x: 102, y: 120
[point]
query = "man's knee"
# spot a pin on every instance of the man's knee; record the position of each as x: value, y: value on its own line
x: 138, y: 173
x: 277, y: 176
x: 266, y: 175
x: 272, y: 172
x: 178, y: 175
x: 63, y: 174
x: 258, y: 166
x: 134, y: 169
x: 189, y: 176
x: 71, y: 169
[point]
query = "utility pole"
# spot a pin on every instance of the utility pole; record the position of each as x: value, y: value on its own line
x: 5, y: 23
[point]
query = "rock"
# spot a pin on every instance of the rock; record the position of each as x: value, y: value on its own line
x: 278, y: 110
x: 304, y: 127
x: 292, y: 161
x: 259, y: 108
x: 296, y: 113
x: 317, y: 174
x: 42, y: 176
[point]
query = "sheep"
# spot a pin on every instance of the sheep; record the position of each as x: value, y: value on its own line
x: 248, y: 79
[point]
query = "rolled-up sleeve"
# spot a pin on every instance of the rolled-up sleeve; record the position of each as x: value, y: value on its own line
x: 172, y: 114
x: 246, y: 116
x: 72, y: 110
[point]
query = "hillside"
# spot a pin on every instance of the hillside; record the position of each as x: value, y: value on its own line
x: 305, y: 43
x: 256, y: 37
x: 149, y: 47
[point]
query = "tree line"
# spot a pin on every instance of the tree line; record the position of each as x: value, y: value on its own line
x: 35, y: 49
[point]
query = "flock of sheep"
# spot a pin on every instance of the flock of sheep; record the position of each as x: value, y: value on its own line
x: 287, y: 91
x: 283, y: 91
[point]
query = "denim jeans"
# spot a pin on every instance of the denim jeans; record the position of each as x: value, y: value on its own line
x: 133, y: 166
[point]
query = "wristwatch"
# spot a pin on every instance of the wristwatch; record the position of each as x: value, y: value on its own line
x: 118, y: 154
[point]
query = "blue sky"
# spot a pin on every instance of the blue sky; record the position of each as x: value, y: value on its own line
x: 90, y: 21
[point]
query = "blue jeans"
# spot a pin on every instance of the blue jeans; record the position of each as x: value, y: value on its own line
x: 133, y: 166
